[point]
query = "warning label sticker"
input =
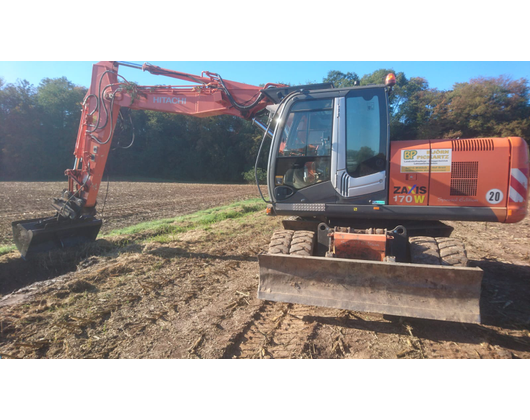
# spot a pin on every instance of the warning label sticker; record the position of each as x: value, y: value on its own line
x: 418, y: 160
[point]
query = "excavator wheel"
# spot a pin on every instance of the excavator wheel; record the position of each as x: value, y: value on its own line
x: 289, y: 242
x: 452, y: 252
x: 438, y: 251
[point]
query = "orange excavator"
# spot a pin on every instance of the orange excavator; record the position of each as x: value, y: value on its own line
x: 364, y: 226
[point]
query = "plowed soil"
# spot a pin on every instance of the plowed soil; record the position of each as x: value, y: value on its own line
x: 195, y: 297
x: 124, y: 204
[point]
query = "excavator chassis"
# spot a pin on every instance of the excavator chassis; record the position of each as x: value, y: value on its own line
x: 369, y: 282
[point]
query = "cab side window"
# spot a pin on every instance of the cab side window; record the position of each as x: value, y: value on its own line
x: 304, y: 155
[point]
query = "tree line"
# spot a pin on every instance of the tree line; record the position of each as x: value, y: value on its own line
x: 38, y: 128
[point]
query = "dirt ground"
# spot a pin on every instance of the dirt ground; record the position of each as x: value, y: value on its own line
x: 195, y: 297
x: 126, y: 203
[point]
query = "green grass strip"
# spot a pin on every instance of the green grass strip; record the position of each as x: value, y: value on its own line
x: 7, y: 249
x: 162, y: 230
x: 203, y: 218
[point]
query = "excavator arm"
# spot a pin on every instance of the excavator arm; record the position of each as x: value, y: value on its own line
x: 209, y: 96
x: 75, y: 220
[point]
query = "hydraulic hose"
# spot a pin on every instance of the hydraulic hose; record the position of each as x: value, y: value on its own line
x: 259, y: 154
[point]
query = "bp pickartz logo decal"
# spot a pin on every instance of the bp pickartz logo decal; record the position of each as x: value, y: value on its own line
x: 415, y: 194
x: 419, y: 160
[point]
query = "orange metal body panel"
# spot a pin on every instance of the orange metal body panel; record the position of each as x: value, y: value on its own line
x: 477, y: 170
x: 489, y: 173
x: 408, y: 184
x: 359, y: 246
x: 519, y: 180
x: 92, y: 155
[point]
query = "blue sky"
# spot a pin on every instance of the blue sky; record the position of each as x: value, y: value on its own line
x: 440, y: 74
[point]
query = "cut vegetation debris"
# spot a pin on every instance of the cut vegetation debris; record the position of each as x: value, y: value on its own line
x: 186, y: 288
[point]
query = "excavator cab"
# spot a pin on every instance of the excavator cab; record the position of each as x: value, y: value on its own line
x: 330, y: 146
x: 329, y: 168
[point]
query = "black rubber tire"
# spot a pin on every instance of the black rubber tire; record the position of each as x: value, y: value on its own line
x: 438, y: 251
x: 281, y: 242
x: 289, y: 242
x: 452, y: 252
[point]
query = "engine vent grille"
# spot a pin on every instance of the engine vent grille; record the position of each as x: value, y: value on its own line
x: 464, y: 170
x: 473, y: 145
x: 464, y: 187
x: 464, y: 177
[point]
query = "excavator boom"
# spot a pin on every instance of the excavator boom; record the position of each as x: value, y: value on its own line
x: 75, y: 221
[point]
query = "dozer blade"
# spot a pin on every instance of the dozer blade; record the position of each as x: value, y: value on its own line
x: 42, y: 235
x: 413, y: 290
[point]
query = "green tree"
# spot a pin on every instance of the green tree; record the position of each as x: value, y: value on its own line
x: 60, y: 102
x: 340, y: 79
x: 413, y: 119
x: 397, y: 99
x: 490, y: 106
x: 38, y: 127
x: 21, y: 148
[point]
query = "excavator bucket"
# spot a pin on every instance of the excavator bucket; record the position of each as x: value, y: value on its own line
x: 412, y: 290
x: 42, y: 235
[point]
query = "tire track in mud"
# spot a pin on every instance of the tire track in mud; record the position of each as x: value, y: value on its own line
x: 276, y: 331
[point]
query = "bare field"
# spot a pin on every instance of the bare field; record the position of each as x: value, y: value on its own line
x: 127, y: 203
x: 193, y: 295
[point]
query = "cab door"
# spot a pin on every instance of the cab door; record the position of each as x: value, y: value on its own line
x: 359, y: 158
x: 302, y: 155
